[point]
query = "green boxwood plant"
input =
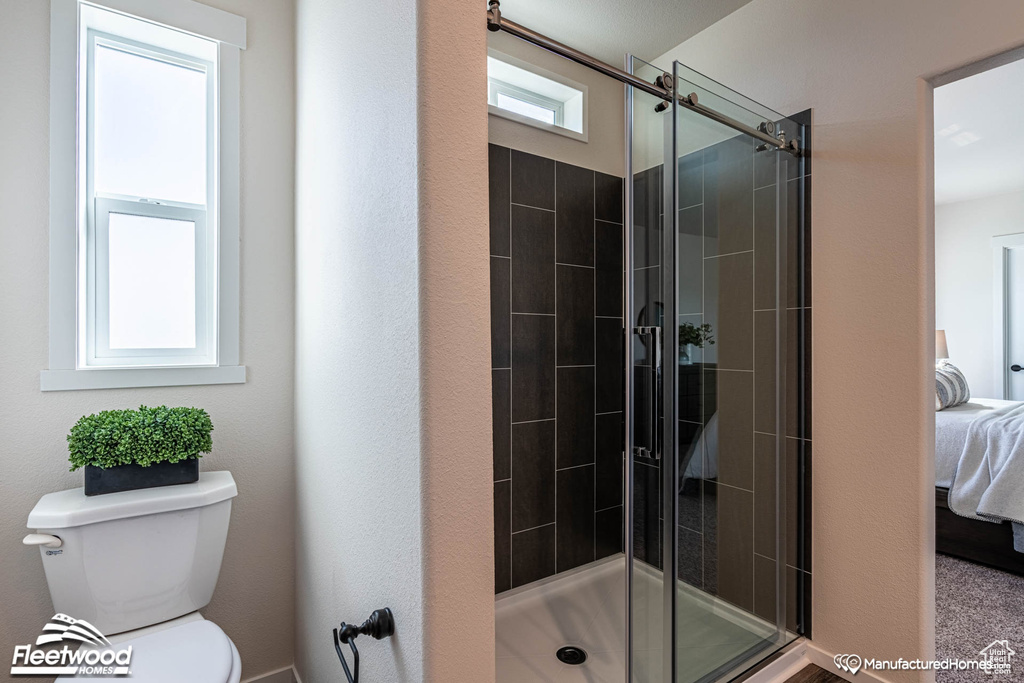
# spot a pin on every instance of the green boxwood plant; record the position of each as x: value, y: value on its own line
x: 139, y: 437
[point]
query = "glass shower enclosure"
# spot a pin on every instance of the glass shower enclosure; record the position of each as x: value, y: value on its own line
x: 705, y: 329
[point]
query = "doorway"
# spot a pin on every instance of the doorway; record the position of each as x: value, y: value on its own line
x: 979, y: 342
x: 1008, y: 315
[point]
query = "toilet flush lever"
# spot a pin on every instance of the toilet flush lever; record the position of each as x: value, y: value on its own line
x: 49, y: 540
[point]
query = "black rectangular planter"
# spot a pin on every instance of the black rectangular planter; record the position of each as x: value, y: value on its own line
x: 130, y: 477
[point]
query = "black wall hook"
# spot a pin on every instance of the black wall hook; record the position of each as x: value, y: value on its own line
x: 380, y: 625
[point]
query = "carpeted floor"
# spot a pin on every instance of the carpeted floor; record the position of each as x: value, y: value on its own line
x: 974, y: 606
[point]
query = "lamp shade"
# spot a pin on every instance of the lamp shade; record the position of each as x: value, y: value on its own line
x: 941, y: 350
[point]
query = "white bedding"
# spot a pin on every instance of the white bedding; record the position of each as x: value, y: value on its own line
x: 951, y: 426
x: 989, y: 480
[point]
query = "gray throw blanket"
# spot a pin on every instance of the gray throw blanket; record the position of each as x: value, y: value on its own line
x: 989, y: 481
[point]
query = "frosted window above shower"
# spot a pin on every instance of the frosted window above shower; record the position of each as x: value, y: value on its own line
x: 535, y: 97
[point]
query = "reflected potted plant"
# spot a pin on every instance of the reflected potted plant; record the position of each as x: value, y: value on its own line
x: 122, y: 450
x: 693, y: 336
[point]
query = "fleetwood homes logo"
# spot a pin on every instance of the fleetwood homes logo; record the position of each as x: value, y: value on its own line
x: 86, y: 651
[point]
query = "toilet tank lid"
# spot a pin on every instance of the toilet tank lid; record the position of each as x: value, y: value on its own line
x: 73, y: 508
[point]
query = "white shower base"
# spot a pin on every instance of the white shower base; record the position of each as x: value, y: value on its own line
x: 586, y: 608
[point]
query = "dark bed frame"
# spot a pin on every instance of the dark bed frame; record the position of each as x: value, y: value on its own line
x: 974, y: 540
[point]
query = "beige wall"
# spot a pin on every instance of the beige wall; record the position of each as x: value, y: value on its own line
x: 858, y: 64
x: 253, y: 422
x: 605, y: 149
x: 455, y: 346
x: 965, y: 281
x: 393, y: 440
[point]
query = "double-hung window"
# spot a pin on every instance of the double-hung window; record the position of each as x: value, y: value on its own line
x: 144, y: 194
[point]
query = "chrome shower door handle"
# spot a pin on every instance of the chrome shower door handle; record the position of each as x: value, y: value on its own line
x: 649, y: 446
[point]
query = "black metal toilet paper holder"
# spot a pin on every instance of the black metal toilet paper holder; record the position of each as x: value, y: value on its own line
x: 380, y: 625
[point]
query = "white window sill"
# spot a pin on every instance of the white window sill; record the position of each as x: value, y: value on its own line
x: 534, y: 123
x: 123, y: 378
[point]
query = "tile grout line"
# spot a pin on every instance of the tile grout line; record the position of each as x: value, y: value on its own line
x: 555, y: 482
x: 575, y: 467
x: 526, y: 422
x: 511, y: 441
x: 753, y: 364
x: 731, y: 253
x: 703, y: 310
x: 593, y: 536
x: 734, y: 487
x: 534, y: 528
x: 536, y: 208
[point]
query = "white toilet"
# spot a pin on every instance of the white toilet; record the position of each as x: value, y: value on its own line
x: 138, y: 565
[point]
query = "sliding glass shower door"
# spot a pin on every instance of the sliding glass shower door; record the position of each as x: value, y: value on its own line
x: 705, y: 448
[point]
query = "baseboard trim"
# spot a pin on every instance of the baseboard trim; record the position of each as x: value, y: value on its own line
x: 285, y: 675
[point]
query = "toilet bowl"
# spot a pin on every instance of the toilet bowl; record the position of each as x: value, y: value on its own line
x: 137, y: 566
x: 190, y: 649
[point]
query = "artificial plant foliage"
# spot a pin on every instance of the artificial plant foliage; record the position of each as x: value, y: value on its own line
x: 697, y: 335
x: 141, y: 437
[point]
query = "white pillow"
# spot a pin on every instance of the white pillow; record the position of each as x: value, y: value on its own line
x: 950, y: 386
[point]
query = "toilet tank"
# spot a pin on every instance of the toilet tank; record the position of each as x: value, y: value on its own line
x: 135, y: 558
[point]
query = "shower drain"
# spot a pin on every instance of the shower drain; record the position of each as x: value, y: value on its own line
x: 571, y: 655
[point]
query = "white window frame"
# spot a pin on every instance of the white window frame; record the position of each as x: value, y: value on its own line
x: 78, y: 357
x: 95, y: 342
x: 496, y: 85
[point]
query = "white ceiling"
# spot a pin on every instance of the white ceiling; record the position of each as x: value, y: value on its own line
x: 608, y: 29
x: 979, y: 136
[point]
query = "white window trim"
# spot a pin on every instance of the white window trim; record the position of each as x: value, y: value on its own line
x: 528, y: 121
x: 65, y: 370
x: 496, y: 87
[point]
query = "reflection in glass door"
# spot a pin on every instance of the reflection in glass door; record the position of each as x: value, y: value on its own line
x: 707, y: 208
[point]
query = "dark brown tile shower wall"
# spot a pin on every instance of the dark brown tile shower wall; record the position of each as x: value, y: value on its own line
x: 799, y: 367
x: 557, y: 358
x: 727, y: 520
x: 556, y: 328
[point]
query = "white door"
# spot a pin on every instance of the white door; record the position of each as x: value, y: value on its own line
x: 1009, y: 315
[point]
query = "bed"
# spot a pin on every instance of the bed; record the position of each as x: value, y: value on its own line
x: 975, y: 540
